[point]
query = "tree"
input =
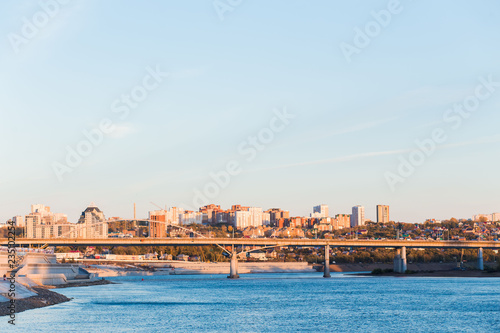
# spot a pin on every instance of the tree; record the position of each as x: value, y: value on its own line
x: 63, y: 249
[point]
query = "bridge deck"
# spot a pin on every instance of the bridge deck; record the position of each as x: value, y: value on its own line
x: 253, y: 241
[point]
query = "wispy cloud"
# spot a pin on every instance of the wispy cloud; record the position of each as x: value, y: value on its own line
x: 122, y: 130
x: 334, y: 160
x: 358, y: 127
x: 424, y: 97
x: 483, y: 140
x: 348, y: 158
x: 189, y: 73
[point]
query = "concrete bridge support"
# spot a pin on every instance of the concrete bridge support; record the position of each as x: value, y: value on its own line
x: 233, y: 273
x: 480, y: 264
x: 326, y: 273
x: 404, y: 264
x: 397, y: 261
x: 400, y: 263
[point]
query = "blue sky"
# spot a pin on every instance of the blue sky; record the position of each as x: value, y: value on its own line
x: 353, y: 120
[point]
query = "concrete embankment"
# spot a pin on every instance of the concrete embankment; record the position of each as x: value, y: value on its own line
x: 417, y: 267
x: 34, y: 273
x: 243, y: 268
x: 370, y: 267
x: 116, y: 268
x: 43, y: 269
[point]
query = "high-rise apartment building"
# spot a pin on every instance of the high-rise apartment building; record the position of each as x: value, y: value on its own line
x: 320, y: 211
x: 157, y: 223
x: 92, y: 223
x: 19, y: 221
x: 250, y: 217
x: 382, y: 214
x: 210, y: 212
x: 357, y: 216
x: 341, y: 221
x: 42, y: 223
x: 276, y: 214
x: 190, y: 217
x: 170, y: 216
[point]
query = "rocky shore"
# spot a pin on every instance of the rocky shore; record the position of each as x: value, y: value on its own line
x: 85, y: 284
x: 45, y: 297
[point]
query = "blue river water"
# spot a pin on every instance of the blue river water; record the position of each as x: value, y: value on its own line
x: 272, y: 303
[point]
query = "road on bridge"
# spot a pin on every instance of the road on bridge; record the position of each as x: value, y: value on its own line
x: 254, y: 242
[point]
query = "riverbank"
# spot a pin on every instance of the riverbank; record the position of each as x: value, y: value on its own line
x: 452, y: 273
x: 44, y: 296
x: 360, y: 267
x: 104, y: 268
x: 84, y: 284
x: 415, y: 269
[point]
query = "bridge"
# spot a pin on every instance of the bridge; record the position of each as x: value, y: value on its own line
x: 400, y: 262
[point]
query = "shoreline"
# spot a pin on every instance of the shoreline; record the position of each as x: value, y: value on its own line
x: 84, y: 284
x: 46, y: 297
x: 444, y: 274
x: 113, y: 268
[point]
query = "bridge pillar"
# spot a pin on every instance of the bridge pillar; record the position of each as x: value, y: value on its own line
x: 404, y: 265
x: 480, y: 264
x: 233, y: 268
x: 326, y: 273
x: 397, y: 261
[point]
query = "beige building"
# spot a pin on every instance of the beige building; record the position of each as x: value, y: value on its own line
x: 92, y: 223
x: 382, y: 214
x: 342, y: 221
x: 42, y: 223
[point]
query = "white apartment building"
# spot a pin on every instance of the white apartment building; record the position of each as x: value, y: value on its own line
x: 358, y: 216
x: 19, y: 221
x: 495, y: 217
x: 266, y: 219
x: 320, y: 211
x: 253, y: 217
x: 42, y: 223
x: 189, y: 217
x: 171, y: 216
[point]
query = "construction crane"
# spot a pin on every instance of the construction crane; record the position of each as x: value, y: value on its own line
x: 157, y: 205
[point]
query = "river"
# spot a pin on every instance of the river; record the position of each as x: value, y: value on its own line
x: 273, y: 303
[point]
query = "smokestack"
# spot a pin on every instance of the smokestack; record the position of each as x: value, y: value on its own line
x: 134, y: 212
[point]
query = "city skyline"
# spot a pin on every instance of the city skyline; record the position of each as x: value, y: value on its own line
x: 357, y: 212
